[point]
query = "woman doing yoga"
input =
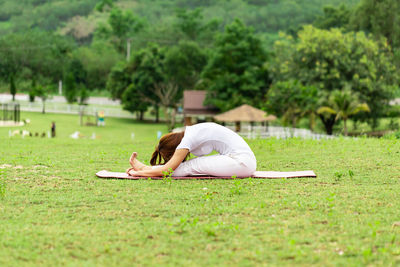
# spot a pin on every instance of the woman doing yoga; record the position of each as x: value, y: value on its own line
x: 235, y: 157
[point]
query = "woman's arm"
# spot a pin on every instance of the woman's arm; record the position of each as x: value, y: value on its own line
x: 173, y: 163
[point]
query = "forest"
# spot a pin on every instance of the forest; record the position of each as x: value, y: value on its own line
x: 326, y: 59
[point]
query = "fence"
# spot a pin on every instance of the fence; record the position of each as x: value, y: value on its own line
x: 253, y: 132
x: 64, y: 108
x: 10, y: 112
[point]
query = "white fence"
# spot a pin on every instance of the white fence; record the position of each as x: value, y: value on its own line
x: 253, y: 132
x: 64, y: 108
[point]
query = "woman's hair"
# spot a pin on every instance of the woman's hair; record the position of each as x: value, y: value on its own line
x: 166, y: 148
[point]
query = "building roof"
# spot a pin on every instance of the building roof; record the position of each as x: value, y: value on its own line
x: 245, y: 113
x: 193, y: 103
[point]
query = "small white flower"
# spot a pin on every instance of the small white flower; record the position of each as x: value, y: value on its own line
x: 205, y: 188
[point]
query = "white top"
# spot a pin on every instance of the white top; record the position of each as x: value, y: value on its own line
x: 203, y: 138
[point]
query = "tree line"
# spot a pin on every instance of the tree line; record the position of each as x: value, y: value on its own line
x: 337, y: 67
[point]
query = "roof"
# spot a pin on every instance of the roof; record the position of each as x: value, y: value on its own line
x: 193, y: 103
x: 244, y: 113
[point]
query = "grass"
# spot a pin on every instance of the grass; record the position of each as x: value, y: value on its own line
x: 56, y: 212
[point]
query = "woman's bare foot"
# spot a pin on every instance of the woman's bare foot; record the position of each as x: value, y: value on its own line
x: 136, y: 164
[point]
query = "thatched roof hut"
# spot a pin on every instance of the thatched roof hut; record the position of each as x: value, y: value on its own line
x: 244, y: 113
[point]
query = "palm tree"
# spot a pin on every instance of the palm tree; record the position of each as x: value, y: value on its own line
x: 343, y: 104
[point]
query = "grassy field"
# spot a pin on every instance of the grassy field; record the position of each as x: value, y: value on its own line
x: 54, y: 211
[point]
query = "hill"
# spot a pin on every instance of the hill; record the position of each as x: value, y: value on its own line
x: 79, y: 18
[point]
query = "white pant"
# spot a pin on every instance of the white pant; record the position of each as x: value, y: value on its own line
x: 217, y: 165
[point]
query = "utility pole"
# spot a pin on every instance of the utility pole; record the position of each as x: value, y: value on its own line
x: 60, y: 87
x: 128, y: 49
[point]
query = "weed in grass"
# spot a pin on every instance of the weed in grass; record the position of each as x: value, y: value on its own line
x: 338, y: 176
x: 237, y: 188
x: 2, y: 186
x: 185, y: 223
x: 167, y: 176
x: 351, y: 174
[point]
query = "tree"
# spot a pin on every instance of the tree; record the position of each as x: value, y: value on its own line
x: 343, y: 104
x: 331, y: 60
x: 380, y: 17
x: 292, y: 100
x: 133, y: 101
x: 43, y: 93
x: 70, y: 90
x: 334, y: 18
x: 32, y: 91
x: 97, y: 60
x: 236, y: 73
x: 157, y: 77
x: 13, y: 88
x: 34, y: 52
x: 184, y: 64
x: 192, y: 25
x: 118, y: 80
x: 122, y: 25
x: 83, y: 95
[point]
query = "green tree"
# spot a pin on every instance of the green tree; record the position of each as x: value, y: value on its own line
x: 43, y: 92
x: 97, y: 59
x: 236, y: 73
x: 331, y: 60
x: 13, y: 88
x: 70, y: 90
x: 192, y: 25
x: 121, y: 26
x: 380, y: 17
x: 343, y: 104
x: 118, y: 80
x: 32, y: 91
x: 38, y: 53
x: 184, y: 64
x: 334, y: 18
x: 292, y: 100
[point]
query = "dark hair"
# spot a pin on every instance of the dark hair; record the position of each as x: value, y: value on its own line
x: 166, y: 148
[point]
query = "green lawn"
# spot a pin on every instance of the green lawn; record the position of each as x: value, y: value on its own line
x: 56, y: 212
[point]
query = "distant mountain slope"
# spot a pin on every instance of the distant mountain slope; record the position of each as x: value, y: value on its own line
x: 78, y: 18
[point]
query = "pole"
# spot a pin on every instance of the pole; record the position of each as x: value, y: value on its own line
x: 60, y: 87
x: 128, y: 49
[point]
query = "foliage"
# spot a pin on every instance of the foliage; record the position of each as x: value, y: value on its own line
x: 291, y: 100
x: 157, y: 77
x: 39, y: 52
x: 97, y: 59
x: 120, y: 28
x: 343, y: 104
x: 40, y: 14
x: 43, y: 92
x: 192, y: 25
x: 83, y: 95
x: 380, y: 18
x: 184, y: 64
x: 236, y: 73
x: 331, y: 60
x: 13, y: 88
x: 32, y: 91
x: 70, y: 88
x: 334, y: 18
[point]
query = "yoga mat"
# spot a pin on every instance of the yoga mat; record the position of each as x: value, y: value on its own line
x: 257, y: 174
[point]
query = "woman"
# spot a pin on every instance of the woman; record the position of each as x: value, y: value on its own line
x: 235, y: 157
